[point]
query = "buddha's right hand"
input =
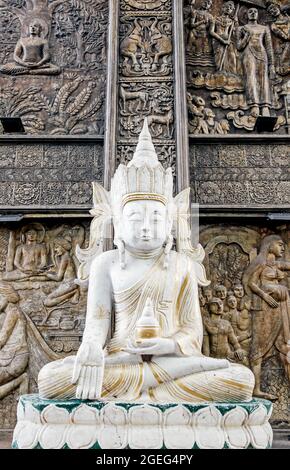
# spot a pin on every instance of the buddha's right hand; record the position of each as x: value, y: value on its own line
x: 88, y: 371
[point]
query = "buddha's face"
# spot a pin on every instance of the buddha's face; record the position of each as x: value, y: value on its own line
x: 144, y: 225
x: 253, y: 14
x: 277, y: 248
x: 31, y: 235
x: 221, y: 292
x: 232, y: 301
x: 35, y: 29
x: 239, y: 291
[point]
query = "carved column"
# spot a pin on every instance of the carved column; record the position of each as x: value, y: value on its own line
x: 182, y: 157
x: 112, y: 93
x: 146, y: 77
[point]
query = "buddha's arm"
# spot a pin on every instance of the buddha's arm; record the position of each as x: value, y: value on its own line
x: 243, y: 38
x: 89, y: 363
x: 18, y: 258
x: 46, y: 55
x: 43, y: 257
x: 17, y: 54
x: 99, y: 304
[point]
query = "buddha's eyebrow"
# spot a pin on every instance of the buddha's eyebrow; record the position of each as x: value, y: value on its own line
x: 134, y: 212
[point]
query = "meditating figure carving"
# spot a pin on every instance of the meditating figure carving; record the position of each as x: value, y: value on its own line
x: 31, y: 55
x: 30, y: 258
x: 144, y: 273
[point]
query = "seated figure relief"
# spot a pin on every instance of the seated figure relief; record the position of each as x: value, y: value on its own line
x: 65, y: 273
x: 139, y: 360
x: 31, y: 55
x: 30, y: 257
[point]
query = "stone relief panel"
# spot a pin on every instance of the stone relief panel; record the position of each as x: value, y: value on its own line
x: 49, y: 175
x: 245, y: 310
x: 146, y: 76
x: 237, y: 61
x: 42, y: 308
x: 239, y: 174
x: 53, y: 64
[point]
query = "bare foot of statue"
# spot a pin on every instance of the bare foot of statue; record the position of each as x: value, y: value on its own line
x: 255, y: 111
x: 266, y: 111
x: 266, y: 396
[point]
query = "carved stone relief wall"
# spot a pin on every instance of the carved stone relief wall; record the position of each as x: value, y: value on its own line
x: 240, y: 174
x: 53, y: 64
x: 244, y: 264
x: 42, y: 309
x: 49, y: 175
x: 237, y: 59
x: 146, y: 76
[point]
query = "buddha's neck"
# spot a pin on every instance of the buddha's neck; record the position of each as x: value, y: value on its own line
x: 141, y: 254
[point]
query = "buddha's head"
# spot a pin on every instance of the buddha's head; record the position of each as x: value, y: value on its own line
x: 142, y: 200
x: 145, y: 225
x: 35, y: 28
x: 253, y: 14
x: 31, y: 235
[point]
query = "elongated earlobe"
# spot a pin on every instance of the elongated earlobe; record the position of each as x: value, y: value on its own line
x: 121, y: 247
x: 167, y: 249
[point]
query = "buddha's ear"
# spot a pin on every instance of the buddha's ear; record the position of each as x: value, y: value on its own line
x: 170, y: 218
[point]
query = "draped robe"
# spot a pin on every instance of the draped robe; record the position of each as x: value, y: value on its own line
x: 186, y: 376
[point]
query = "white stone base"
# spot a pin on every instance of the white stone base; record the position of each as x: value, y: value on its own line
x: 49, y: 424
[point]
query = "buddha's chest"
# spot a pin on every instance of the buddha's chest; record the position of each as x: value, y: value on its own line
x: 131, y: 275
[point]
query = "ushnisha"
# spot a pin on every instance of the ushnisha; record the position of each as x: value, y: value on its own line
x: 121, y: 281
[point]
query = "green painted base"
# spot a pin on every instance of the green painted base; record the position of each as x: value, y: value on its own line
x: 75, y: 424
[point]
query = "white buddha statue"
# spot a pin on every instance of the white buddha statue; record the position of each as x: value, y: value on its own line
x: 141, y: 279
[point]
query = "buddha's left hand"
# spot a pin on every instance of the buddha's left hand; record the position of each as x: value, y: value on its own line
x: 154, y: 347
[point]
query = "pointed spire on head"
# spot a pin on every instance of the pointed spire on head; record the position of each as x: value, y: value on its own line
x: 145, y: 153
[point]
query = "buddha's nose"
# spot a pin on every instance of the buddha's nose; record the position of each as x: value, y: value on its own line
x: 145, y: 229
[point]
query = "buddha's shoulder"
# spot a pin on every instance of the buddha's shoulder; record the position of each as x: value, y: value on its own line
x: 105, y: 259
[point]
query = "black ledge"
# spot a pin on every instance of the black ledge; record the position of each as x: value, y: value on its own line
x: 51, y: 139
x: 247, y: 139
